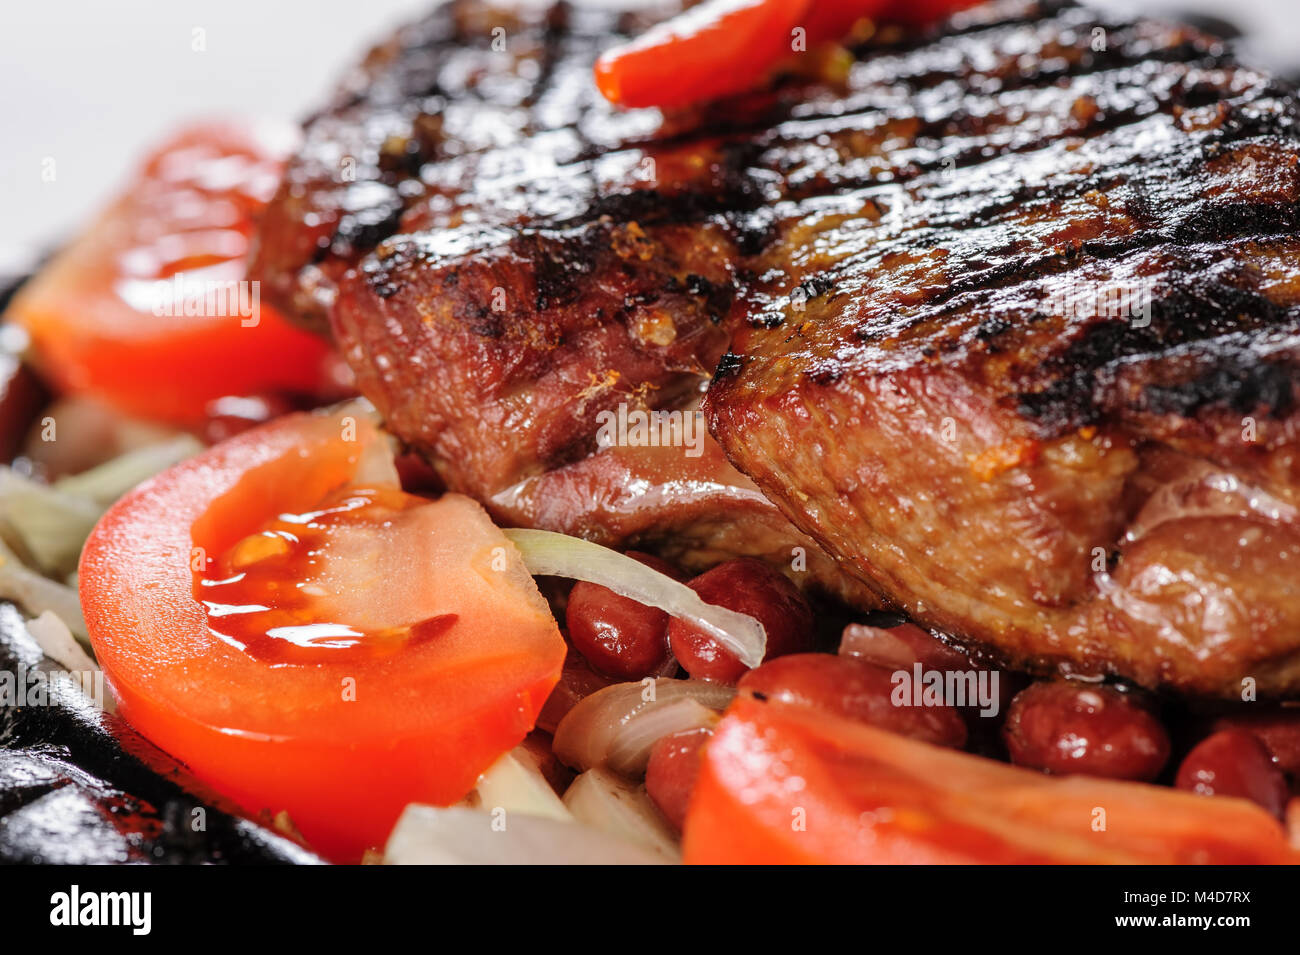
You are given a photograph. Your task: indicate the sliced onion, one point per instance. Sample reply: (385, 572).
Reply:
(36, 593)
(900, 647)
(558, 555)
(89, 434)
(516, 784)
(48, 525)
(428, 835)
(106, 482)
(613, 805)
(577, 682)
(57, 642)
(615, 728)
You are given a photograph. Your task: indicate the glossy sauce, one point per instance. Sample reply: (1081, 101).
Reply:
(265, 595)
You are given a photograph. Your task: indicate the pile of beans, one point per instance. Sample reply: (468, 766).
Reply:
(1054, 726)
(627, 640)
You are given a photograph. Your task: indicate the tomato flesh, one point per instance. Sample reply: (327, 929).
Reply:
(725, 47)
(310, 586)
(453, 650)
(719, 48)
(149, 309)
(782, 784)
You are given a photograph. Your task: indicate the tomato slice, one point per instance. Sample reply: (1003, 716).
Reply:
(724, 47)
(388, 655)
(149, 308)
(781, 784)
(713, 50)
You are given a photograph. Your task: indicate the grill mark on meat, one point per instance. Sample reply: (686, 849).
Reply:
(737, 189)
(554, 35)
(361, 230)
(1199, 304)
(1238, 381)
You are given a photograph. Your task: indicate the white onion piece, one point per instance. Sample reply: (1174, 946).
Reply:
(613, 805)
(428, 835)
(559, 555)
(378, 464)
(89, 433)
(36, 593)
(57, 642)
(105, 483)
(629, 749)
(516, 784)
(616, 727)
(876, 645)
(577, 681)
(48, 525)
(52, 522)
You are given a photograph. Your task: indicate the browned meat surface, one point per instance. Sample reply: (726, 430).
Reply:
(1044, 398)
(491, 260)
(696, 512)
(1004, 316)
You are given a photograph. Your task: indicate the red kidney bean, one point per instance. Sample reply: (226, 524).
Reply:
(854, 689)
(577, 682)
(900, 647)
(1234, 763)
(618, 636)
(747, 586)
(672, 771)
(1278, 731)
(1066, 728)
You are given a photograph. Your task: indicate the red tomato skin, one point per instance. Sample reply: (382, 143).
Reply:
(830, 20)
(90, 339)
(418, 728)
(714, 51)
(726, 47)
(784, 785)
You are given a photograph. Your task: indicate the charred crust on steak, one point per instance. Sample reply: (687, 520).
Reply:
(1011, 293)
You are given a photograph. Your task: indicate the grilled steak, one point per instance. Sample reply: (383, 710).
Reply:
(522, 297)
(1004, 315)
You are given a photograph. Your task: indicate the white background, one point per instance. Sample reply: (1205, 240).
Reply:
(92, 83)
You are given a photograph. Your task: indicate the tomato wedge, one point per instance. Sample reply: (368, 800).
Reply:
(713, 50)
(279, 616)
(149, 309)
(782, 784)
(724, 47)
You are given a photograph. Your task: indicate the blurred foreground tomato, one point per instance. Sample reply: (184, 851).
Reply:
(149, 308)
(783, 784)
